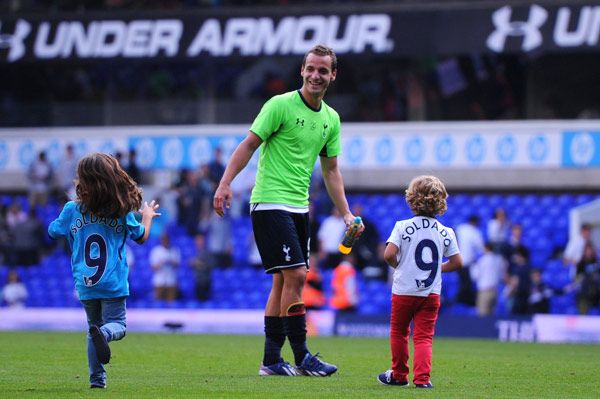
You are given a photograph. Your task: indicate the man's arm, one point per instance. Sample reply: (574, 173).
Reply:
(335, 187)
(239, 160)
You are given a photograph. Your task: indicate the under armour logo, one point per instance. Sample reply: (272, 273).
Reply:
(286, 250)
(530, 29)
(299, 121)
(15, 41)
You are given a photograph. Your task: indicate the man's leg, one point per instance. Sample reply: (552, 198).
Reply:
(283, 247)
(294, 324)
(293, 312)
(274, 335)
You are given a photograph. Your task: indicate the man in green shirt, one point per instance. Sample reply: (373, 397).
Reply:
(292, 129)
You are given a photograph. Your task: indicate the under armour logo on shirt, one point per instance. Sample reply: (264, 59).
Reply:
(299, 121)
(286, 250)
(14, 42)
(530, 29)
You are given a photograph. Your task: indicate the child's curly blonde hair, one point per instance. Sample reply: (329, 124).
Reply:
(426, 196)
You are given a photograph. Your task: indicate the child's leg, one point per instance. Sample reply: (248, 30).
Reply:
(424, 327)
(402, 314)
(113, 314)
(93, 310)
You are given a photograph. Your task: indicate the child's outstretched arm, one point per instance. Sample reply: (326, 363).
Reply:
(148, 213)
(453, 263)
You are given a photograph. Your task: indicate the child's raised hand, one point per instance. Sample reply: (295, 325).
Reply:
(150, 209)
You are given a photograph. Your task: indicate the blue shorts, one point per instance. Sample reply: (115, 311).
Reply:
(282, 239)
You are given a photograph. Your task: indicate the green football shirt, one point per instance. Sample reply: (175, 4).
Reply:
(294, 135)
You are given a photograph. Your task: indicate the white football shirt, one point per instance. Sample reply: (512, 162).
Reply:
(423, 242)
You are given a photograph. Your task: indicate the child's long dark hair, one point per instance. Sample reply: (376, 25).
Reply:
(104, 188)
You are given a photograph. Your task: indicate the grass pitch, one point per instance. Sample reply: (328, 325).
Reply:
(54, 365)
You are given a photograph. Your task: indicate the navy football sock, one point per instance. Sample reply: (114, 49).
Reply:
(295, 330)
(274, 339)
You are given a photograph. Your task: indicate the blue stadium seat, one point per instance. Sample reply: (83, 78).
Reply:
(544, 219)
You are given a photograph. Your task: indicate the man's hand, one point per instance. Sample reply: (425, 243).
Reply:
(349, 220)
(222, 199)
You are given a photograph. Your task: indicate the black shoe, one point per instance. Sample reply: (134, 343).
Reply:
(94, 386)
(428, 385)
(101, 345)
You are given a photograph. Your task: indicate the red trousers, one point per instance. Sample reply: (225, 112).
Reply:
(422, 311)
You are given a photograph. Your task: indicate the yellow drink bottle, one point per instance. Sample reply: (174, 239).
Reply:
(350, 237)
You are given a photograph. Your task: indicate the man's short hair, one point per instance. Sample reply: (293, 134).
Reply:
(322, 50)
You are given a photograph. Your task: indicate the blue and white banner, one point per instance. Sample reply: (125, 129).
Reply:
(168, 152)
(567, 328)
(511, 329)
(462, 146)
(157, 148)
(375, 146)
(17, 153)
(581, 148)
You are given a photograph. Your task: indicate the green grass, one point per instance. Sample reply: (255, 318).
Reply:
(54, 365)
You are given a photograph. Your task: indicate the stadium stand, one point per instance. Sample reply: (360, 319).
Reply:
(544, 218)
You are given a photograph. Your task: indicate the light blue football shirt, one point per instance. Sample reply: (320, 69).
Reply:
(98, 259)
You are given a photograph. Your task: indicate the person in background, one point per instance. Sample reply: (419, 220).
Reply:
(515, 242)
(417, 255)
(14, 293)
(330, 234)
(498, 229)
(15, 216)
(164, 261)
(219, 243)
(344, 287)
(192, 199)
(540, 294)
(368, 251)
(133, 170)
(119, 157)
(96, 226)
(201, 265)
(487, 273)
(587, 279)
(292, 129)
(576, 247)
(27, 240)
(519, 283)
(5, 238)
(313, 295)
(471, 245)
(39, 175)
(65, 174)
(216, 168)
